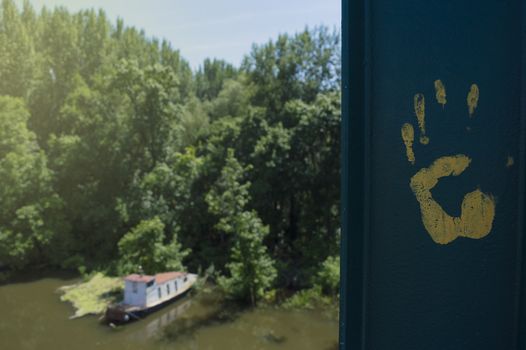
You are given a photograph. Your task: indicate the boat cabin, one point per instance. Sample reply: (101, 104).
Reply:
(147, 290)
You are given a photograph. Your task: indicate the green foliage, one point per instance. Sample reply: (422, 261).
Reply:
(294, 67)
(27, 196)
(309, 299)
(251, 269)
(228, 197)
(152, 94)
(232, 101)
(92, 297)
(328, 276)
(17, 55)
(211, 76)
(114, 153)
(324, 291)
(144, 247)
(194, 122)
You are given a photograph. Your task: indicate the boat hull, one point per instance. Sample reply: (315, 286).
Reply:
(123, 313)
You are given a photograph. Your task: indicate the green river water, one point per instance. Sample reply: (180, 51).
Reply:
(33, 317)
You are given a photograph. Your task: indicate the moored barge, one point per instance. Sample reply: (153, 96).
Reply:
(146, 293)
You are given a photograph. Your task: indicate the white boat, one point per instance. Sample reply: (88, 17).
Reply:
(146, 293)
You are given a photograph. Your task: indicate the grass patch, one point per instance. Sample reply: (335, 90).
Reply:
(91, 297)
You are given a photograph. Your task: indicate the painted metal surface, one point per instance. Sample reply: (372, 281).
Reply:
(433, 175)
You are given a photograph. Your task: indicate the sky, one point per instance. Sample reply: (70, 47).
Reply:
(223, 29)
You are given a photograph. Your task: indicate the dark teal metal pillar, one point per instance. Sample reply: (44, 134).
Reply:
(433, 175)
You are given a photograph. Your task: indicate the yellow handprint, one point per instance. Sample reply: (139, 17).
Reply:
(478, 208)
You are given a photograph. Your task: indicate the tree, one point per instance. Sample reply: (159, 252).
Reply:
(94, 42)
(315, 164)
(232, 101)
(251, 269)
(25, 229)
(328, 276)
(57, 66)
(303, 214)
(17, 56)
(165, 192)
(144, 247)
(293, 67)
(193, 122)
(108, 136)
(152, 96)
(210, 78)
(85, 152)
(228, 197)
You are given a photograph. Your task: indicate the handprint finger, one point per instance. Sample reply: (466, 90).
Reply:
(473, 99)
(440, 91)
(408, 136)
(420, 111)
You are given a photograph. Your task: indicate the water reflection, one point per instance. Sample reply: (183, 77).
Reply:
(40, 321)
(213, 323)
(157, 322)
(209, 310)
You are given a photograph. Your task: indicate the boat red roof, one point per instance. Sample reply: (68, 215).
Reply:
(134, 277)
(159, 278)
(166, 276)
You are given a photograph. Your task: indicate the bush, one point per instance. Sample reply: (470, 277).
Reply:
(143, 247)
(328, 276)
(307, 299)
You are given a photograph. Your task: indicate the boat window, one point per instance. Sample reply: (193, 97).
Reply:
(167, 289)
(159, 292)
(185, 278)
(134, 287)
(149, 284)
(175, 285)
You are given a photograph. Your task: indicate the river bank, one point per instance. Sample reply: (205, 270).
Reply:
(92, 294)
(35, 318)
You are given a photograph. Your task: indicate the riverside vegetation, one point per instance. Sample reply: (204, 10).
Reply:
(115, 154)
